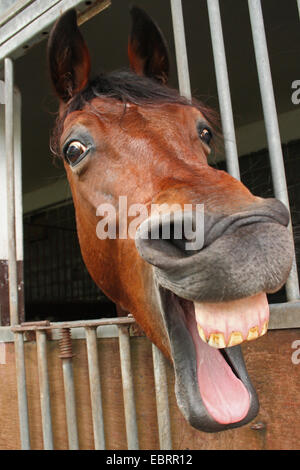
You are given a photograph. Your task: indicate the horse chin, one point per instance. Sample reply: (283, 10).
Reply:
(212, 387)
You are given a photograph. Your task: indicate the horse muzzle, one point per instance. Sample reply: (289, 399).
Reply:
(234, 257)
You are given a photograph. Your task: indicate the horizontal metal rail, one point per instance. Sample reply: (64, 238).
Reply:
(10, 12)
(28, 326)
(32, 24)
(284, 316)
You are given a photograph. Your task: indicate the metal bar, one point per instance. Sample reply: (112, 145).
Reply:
(128, 391)
(35, 20)
(21, 389)
(25, 16)
(180, 48)
(12, 253)
(283, 316)
(41, 343)
(298, 3)
(67, 365)
(93, 11)
(19, 199)
(70, 404)
(162, 400)
(271, 123)
(95, 388)
(223, 88)
(13, 10)
(10, 181)
(75, 324)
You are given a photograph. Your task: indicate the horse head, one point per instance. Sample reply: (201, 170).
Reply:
(129, 144)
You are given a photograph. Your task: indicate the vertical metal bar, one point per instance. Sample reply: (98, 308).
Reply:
(298, 3)
(271, 123)
(128, 391)
(10, 181)
(21, 389)
(19, 200)
(66, 357)
(41, 343)
(95, 388)
(70, 404)
(180, 47)
(12, 253)
(162, 401)
(223, 88)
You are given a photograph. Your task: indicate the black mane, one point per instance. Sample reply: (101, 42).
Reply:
(128, 87)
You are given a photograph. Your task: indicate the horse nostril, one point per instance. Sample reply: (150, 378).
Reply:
(170, 235)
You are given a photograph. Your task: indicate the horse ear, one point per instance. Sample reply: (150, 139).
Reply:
(147, 47)
(68, 57)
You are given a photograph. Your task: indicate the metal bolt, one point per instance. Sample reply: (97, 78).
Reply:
(258, 426)
(65, 344)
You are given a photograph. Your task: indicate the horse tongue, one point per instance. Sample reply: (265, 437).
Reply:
(226, 324)
(224, 395)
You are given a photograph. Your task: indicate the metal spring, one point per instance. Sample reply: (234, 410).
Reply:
(65, 344)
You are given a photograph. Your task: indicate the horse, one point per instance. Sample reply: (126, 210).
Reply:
(126, 136)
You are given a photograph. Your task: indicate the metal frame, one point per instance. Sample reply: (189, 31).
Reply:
(33, 22)
(90, 330)
(13, 10)
(27, 27)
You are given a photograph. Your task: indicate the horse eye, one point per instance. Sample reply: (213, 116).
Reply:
(205, 134)
(75, 152)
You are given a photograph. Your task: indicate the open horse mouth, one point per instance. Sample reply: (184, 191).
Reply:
(212, 385)
(212, 301)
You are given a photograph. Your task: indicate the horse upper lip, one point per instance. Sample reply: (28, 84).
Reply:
(271, 210)
(230, 224)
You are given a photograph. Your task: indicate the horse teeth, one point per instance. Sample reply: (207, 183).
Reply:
(235, 338)
(201, 333)
(217, 340)
(264, 329)
(253, 333)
